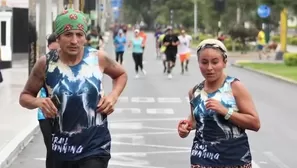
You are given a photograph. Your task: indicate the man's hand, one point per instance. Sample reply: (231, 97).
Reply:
(166, 43)
(47, 106)
(106, 104)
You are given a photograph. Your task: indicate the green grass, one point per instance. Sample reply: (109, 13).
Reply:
(274, 68)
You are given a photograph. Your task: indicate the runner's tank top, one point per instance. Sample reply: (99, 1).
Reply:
(79, 130)
(218, 142)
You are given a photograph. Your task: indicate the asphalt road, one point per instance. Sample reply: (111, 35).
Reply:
(144, 125)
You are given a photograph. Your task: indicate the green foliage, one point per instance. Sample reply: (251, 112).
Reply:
(290, 40)
(237, 46)
(242, 33)
(290, 59)
(275, 38)
(158, 11)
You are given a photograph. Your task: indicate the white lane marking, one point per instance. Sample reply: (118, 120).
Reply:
(126, 99)
(143, 100)
(160, 111)
(127, 126)
(255, 165)
(144, 133)
(148, 110)
(151, 145)
(159, 128)
(149, 153)
(41, 159)
(123, 99)
(276, 160)
(138, 139)
(147, 119)
(169, 100)
(128, 110)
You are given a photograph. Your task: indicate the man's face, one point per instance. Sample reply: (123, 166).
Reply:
(72, 42)
(183, 32)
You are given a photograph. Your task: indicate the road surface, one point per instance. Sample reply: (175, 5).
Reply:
(144, 125)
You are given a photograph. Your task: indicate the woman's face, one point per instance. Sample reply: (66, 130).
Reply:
(54, 46)
(136, 34)
(211, 64)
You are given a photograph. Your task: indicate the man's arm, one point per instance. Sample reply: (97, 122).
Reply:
(165, 41)
(115, 71)
(176, 41)
(34, 84)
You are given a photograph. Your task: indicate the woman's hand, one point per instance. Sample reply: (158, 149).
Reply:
(184, 127)
(215, 105)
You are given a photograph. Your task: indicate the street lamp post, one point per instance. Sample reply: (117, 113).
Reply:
(171, 17)
(32, 56)
(195, 18)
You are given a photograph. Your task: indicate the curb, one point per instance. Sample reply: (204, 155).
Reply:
(12, 149)
(267, 74)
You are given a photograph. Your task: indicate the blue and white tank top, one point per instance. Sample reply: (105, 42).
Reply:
(40, 115)
(218, 142)
(81, 131)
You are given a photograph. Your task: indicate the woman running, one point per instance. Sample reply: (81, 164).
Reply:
(137, 44)
(119, 43)
(45, 124)
(221, 110)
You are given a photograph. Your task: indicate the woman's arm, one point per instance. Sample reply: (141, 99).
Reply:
(247, 116)
(191, 116)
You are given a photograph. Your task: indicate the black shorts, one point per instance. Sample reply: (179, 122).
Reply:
(171, 56)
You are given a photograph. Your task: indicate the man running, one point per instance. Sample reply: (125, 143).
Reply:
(171, 42)
(184, 50)
(75, 99)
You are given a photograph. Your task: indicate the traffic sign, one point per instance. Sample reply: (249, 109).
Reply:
(101, 7)
(264, 11)
(116, 3)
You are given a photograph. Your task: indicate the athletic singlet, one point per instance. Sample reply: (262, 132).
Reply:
(81, 131)
(218, 142)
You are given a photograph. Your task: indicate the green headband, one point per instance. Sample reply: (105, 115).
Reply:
(70, 20)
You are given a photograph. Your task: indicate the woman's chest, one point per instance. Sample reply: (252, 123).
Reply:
(226, 99)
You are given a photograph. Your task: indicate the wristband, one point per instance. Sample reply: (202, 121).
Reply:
(229, 114)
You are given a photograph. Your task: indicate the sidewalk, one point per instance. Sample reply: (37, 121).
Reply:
(17, 125)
